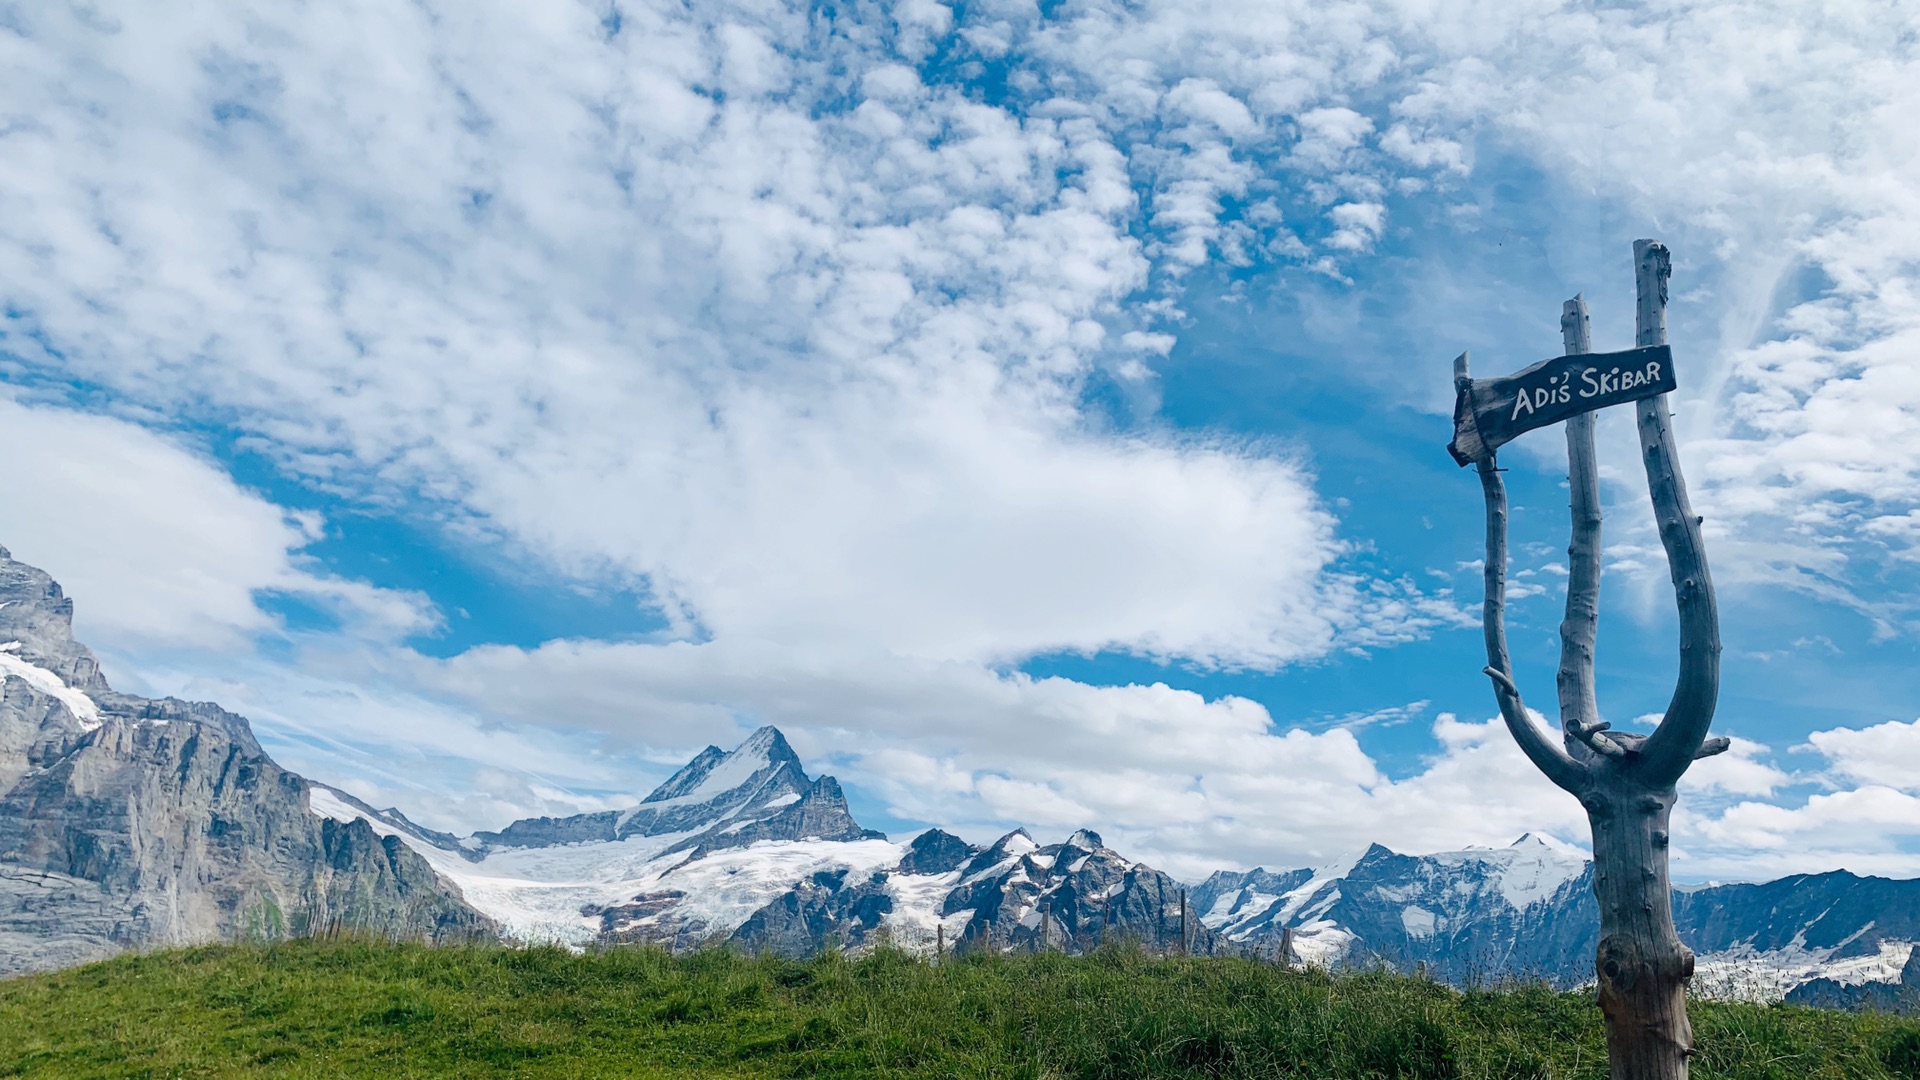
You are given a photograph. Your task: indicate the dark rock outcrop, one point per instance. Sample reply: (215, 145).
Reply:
(936, 852)
(1071, 897)
(825, 911)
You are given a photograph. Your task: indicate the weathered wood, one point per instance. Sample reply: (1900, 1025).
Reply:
(1489, 413)
(1625, 782)
(1579, 709)
(1642, 968)
(1671, 747)
(1545, 755)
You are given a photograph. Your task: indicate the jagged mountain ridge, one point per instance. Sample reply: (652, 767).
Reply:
(743, 846)
(1528, 911)
(127, 822)
(1468, 916)
(757, 791)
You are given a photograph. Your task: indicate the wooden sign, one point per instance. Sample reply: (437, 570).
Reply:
(1489, 413)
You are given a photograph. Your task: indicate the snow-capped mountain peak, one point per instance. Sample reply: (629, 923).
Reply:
(1085, 840)
(720, 799)
(714, 772)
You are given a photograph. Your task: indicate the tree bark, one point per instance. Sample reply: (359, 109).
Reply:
(1677, 741)
(1578, 705)
(1549, 758)
(1642, 967)
(1625, 781)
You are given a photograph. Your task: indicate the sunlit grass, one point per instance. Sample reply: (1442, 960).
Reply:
(356, 1008)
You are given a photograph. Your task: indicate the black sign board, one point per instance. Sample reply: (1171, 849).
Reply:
(1489, 413)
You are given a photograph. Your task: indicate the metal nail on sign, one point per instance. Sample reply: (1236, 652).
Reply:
(1489, 413)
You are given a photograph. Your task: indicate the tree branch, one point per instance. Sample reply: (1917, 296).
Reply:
(1546, 756)
(1673, 745)
(1579, 711)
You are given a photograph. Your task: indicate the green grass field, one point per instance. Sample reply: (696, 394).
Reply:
(355, 1008)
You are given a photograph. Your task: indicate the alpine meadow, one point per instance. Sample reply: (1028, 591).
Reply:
(960, 538)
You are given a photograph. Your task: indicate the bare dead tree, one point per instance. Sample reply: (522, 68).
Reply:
(1625, 781)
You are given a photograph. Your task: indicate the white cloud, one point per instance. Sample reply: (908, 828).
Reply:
(1188, 783)
(1866, 820)
(1738, 771)
(158, 545)
(651, 304)
(1203, 100)
(1886, 754)
(1357, 225)
(442, 765)
(1868, 830)
(1776, 159)
(807, 372)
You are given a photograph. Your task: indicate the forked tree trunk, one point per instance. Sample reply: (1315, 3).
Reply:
(1625, 782)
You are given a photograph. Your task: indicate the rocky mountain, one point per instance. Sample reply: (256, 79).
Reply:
(743, 846)
(718, 800)
(1465, 915)
(1527, 911)
(723, 852)
(1899, 996)
(127, 822)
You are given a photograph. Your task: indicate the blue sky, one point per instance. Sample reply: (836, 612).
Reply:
(1038, 411)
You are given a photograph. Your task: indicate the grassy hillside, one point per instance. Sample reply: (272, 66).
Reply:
(350, 1008)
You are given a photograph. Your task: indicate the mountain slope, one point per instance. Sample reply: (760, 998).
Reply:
(127, 822)
(742, 845)
(720, 799)
(1528, 911)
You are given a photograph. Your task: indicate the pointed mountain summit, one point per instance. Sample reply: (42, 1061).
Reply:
(720, 799)
(713, 771)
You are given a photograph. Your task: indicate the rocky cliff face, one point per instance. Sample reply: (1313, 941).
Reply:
(127, 822)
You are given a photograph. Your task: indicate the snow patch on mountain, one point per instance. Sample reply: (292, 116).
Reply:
(1744, 973)
(731, 772)
(1419, 921)
(559, 893)
(77, 702)
(1528, 872)
(916, 922)
(1321, 943)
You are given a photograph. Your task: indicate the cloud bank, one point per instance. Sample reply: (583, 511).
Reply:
(811, 325)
